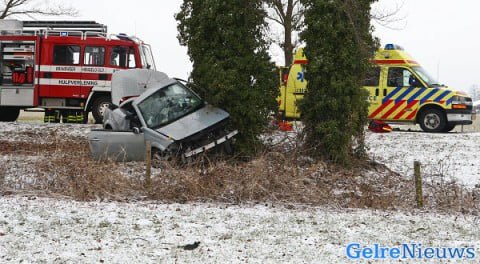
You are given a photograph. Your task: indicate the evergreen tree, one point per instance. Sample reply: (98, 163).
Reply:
(339, 45)
(231, 65)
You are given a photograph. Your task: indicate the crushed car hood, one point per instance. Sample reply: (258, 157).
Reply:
(194, 122)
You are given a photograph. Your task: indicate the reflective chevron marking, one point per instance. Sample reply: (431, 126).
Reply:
(412, 115)
(395, 107)
(428, 96)
(404, 101)
(443, 95)
(380, 109)
(404, 111)
(416, 95)
(392, 94)
(403, 95)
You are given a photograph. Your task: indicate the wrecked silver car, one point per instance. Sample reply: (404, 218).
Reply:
(150, 106)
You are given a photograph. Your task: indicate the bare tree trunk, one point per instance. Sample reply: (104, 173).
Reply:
(288, 15)
(288, 26)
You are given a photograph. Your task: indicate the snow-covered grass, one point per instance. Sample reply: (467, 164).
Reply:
(443, 156)
(53, 230)
(58, 231)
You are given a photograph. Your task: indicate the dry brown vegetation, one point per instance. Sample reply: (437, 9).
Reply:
(64, 167)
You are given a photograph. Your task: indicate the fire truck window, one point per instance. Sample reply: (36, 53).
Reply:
(398, 77)
(118, 56)
(66, 55)
(373, 77)
(123, 57)
(94, 56)
(131, 59)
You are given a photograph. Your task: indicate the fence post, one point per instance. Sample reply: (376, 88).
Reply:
(418, 185)
(148, 164)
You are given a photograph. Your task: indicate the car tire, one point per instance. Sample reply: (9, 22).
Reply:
(161, 159)
(433, 120)
(449, 127)
(98, 108)
(227, 148)
(9, 114)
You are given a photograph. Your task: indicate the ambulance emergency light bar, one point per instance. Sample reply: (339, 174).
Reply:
(393, 47)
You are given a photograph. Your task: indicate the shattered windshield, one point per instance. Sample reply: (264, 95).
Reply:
(425, 76)
(169, 104)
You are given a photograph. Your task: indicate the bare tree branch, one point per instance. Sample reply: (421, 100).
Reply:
(31, 8)
(389, 17)
(289, 15)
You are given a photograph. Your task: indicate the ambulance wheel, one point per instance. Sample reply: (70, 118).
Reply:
(433, 120)
(9, 114)
(98, 108)
(449, 127)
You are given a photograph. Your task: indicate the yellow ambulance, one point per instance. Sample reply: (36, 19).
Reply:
(400, 91)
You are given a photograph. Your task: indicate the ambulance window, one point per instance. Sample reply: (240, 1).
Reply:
(94, 56)
(123, 57)
(373, 77)
(66, 55)
(398, 77)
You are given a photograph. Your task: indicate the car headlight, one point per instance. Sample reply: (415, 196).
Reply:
(461, 102)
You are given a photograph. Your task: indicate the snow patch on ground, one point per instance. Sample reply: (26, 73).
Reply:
(58, 231)
(443, 156)
(37, 131)
(47, 230)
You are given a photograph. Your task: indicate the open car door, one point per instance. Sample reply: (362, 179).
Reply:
(117, 145)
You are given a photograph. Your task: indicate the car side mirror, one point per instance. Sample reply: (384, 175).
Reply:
(137, 131)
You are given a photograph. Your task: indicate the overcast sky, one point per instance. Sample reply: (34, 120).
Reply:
(441, 35)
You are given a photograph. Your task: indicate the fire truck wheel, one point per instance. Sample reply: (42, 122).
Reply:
(433, 120)
(98, 108)
(9, 114)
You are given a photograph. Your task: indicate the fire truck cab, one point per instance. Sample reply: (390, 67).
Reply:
(63, 67)
(400, 91)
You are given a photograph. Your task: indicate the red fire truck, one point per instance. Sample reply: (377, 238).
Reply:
(63, 67)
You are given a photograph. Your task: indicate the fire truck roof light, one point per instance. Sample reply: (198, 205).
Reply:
(123, 36)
